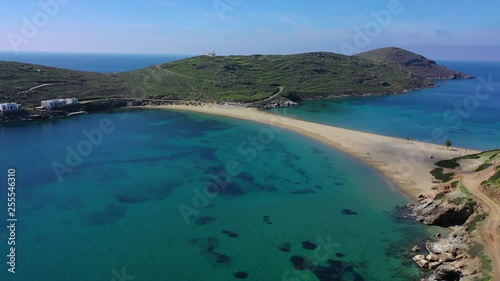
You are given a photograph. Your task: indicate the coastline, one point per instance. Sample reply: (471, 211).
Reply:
(406, 164)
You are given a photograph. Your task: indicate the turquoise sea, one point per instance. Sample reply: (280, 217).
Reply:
(145, 195)
(469, 117)
(120, 207)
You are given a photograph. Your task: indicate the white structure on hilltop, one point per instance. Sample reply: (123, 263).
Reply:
(50, 104)
(212, 55)
(10, 106)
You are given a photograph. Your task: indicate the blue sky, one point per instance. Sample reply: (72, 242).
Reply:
(466, 30)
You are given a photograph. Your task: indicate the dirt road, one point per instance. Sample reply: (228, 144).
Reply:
(490, 229)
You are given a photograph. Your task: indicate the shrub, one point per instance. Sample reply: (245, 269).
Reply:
(438, 174)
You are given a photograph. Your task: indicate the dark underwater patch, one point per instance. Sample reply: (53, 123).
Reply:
(207, 125)
(333, 271)
(285, 247)
(308, 245)
(205, 153)
(70, 203)
(266, 219)
(271, 177)
(245, 177)
(301, 263)
(268, 188)
(241, 275)
(130, 199)
(214, 170)
(303, 191)
(207, 246)
(204, 220)
(217, 259)
(292, 157)
(43, 176)
(301, 171)
(110, 214)
(348, 212)
(135, 194)
(230, 234)
(316, 150)
(231, 190)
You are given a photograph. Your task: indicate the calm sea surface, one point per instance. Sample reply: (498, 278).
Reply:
(107, 63)
(467, 112)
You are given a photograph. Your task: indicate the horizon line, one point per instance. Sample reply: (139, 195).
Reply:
(194, 55)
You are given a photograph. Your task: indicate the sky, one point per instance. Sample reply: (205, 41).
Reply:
(441, 30)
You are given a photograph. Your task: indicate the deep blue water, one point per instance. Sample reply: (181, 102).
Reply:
(454, 110)
(106, 63)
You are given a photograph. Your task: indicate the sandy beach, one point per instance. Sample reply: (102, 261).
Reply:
(406, 164)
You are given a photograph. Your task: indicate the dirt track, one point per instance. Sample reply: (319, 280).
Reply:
(490, 229)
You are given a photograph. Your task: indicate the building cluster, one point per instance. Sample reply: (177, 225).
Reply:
(47, 104)
(51, 104)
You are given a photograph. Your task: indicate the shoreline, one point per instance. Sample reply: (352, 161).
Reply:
(406, 164)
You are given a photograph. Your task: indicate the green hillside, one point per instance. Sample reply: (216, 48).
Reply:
(203, 78)
(411, 62)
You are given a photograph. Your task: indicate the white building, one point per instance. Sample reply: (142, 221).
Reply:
(50, 104)
(10, 106)
(212, 54)
(72, 101)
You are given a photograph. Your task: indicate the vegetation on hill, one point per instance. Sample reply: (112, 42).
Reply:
(18, 78)
(203, 78)
(304, 76)
(493, 158)
(411, 62)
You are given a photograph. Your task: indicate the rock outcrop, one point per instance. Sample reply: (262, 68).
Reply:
(442, 213)
(447, 273)
(275, 103)
(447, 257)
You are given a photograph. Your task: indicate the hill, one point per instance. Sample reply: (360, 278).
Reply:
(29, 83)
(226, 78)
(411, 62)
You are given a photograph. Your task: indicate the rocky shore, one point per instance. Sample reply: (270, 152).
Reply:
(449, 256)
